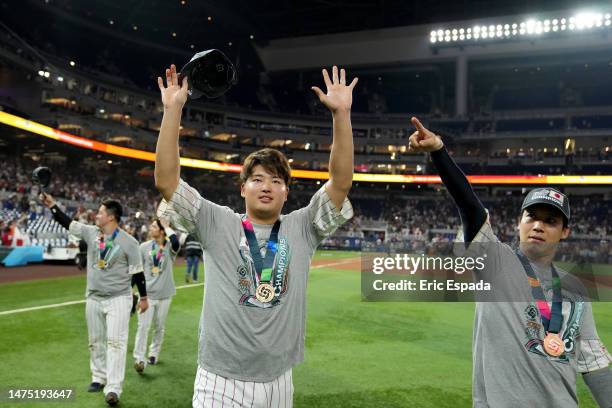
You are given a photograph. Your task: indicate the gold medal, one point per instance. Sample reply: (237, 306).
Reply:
(101, 264)
(264, 292)
(155, 270)
(553, 345)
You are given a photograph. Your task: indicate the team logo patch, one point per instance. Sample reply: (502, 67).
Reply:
(531, 312)
(556, 196)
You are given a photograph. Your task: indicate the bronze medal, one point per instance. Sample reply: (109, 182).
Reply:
(553, 345)
(264, 292)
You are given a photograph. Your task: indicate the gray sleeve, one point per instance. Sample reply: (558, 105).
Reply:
(142, 252)
(593, 354)
(83, 231)
(600, 385)
(324, 217)
(484, 235)
(188, 211)
(132, 250)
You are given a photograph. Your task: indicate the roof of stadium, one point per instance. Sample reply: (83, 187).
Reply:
(125, 32)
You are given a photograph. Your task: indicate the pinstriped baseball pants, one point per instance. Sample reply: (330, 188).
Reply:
(156, 314)
(108, 330)
(211, 390)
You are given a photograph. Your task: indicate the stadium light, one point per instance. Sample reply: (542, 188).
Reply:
(583, 21)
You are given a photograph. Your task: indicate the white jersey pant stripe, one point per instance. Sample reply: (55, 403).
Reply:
(155, 314)
(211, 390)
(108, 330)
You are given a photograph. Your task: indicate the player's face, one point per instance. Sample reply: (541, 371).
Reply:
(103, 217)
(264, 193)
(541, 229)
(154, 230)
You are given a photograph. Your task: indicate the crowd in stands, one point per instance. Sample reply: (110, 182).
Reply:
(397, 218)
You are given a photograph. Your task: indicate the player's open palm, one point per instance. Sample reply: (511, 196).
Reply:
(339, 96)
(174, 94)
(423, 140)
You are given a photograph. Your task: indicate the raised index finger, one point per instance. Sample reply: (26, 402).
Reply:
(417, 123)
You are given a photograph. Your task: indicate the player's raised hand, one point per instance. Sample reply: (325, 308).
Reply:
(47, 200)
(339, 96)
(423, 140)
(174, 94)
(164, 222)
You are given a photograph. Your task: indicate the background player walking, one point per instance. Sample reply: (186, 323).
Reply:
(112, 259)
(158, 256)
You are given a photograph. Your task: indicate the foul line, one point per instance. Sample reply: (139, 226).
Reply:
(193, 285)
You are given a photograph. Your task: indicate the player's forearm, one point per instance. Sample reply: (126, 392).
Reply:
(342, 152)
(167, 159)
(138, 279)
(60, 217)
(174, 241)
(600, 384)
(473, 213)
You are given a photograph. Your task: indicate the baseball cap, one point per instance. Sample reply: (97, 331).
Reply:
(548, 196)
(210, 72)
(42, 176)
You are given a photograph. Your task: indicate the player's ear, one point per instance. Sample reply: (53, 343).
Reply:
(242, 194)
(565, 233)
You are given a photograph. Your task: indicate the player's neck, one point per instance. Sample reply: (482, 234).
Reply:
(109, 228)
(160, 240)
(540, 260)
(262, 219)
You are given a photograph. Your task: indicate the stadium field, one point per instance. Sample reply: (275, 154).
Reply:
(358, 354)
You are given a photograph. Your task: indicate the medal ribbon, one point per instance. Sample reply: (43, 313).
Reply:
(156, 253)
(551, 319)
(263, 267)
(104, 246)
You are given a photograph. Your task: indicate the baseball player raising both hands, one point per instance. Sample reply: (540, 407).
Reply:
(525, 353)
(253, 319)
(112, 259)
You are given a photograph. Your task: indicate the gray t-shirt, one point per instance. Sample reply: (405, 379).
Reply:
(122, 261)
(241, 337)
(160, 285)
(510, 366)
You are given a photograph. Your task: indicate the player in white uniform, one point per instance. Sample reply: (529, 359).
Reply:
(158, 255)
(112, 259)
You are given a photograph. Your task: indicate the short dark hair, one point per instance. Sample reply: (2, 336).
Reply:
(159, 224)
(113, 207)
(272, 160)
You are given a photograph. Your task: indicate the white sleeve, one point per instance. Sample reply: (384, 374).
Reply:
(189, 212)
(593, 354)
(324, 217)
(182, 209)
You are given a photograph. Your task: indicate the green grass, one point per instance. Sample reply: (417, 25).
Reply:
(358, 354)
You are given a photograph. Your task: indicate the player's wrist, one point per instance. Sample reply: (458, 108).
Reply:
(439, 145)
